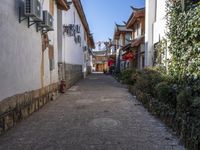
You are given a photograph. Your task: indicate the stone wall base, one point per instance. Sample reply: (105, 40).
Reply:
(70, 73)
(89, 69)
(15, 108)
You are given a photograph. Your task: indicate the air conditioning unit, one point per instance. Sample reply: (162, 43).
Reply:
(33, 9)
(47, 22)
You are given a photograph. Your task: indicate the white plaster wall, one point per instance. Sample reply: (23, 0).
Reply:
(21, 53)
(53, 36)
(155, 27)
(149, 20)
(85, 56)
(159, 26)
(90, 61)
(73, 52)
(60, 36)
(161, 11)
(51, 76)
(159, 30)
(84, 67)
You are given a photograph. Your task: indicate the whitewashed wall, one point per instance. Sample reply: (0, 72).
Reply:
(60, 36)
(155, 27)
(51, 76)
(159, 25)
(21, 53)
(72, 52)
(90, 62)
(149, 20)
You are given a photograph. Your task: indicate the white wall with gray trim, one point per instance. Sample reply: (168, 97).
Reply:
(21, 53)
(155, 27)
(72, 52)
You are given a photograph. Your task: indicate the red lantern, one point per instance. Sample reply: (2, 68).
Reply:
(110, 62)
(128, 56)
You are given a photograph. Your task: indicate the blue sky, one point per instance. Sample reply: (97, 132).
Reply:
(102, 15)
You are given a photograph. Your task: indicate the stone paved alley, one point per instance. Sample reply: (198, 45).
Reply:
(98, 113)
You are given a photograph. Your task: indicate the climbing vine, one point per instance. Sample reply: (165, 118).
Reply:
(159, 53)
(183, 22)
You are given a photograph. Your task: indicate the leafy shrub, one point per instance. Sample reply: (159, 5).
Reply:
(195, 107)
(117, 75)
(126, 76)
(184, 99)
(143, 84)
(165, 93)
(196, 102)
(147, 79)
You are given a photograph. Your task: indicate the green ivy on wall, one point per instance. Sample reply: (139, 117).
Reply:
(184, 42)
(160, 53)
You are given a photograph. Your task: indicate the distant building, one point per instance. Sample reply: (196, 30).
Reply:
(122, 36)
(129, 41)
(101, 61)
(135, 50)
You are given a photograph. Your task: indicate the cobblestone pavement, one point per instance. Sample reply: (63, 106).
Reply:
(96, 114)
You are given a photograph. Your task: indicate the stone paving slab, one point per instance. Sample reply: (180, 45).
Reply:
(96, 114)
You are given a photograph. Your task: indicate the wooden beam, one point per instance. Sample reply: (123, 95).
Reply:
(62, 5)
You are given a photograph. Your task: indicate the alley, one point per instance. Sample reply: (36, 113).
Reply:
(98, 113)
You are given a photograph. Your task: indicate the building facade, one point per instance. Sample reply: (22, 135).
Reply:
(33, 43)
(75, 44)
(136, 47)
(28, 56)
(155, 30)
(122, 37)
(101, 61)
(129, 41)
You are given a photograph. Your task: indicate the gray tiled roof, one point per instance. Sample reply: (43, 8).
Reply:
(123, 28)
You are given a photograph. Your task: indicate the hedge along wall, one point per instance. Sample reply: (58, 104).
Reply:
(184, 38)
